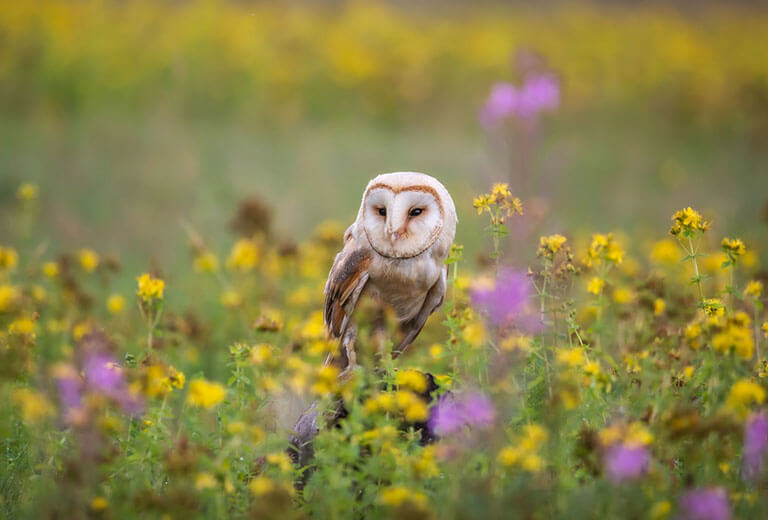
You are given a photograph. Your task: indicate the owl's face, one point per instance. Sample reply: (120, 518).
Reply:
(401, 221)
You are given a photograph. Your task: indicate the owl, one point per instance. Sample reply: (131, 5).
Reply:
(394, 252)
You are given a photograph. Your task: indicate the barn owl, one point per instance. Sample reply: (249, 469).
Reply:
(394, 252)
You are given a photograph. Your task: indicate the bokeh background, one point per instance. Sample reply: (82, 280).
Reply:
(133, 116)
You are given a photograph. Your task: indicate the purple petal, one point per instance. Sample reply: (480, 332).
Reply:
(755, 445)
(507, 301)
(501, 103)
(704, 504)
(624, 463)
(452, 413)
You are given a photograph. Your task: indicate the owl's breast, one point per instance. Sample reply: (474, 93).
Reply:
(403, 283)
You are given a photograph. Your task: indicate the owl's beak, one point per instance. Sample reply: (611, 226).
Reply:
(394, 236)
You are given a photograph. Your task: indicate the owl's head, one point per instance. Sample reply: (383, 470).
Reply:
(404, 213)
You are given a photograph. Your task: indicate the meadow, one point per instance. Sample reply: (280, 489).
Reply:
(175, 180)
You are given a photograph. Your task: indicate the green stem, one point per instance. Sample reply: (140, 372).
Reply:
(697, 276)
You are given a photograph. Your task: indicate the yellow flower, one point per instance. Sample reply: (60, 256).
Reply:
(99, 504)
(206, 262)
(396, 496)
(474, 334)
(326, 379)
(665, 252)
(51, 269)
(81, 329)
(9, 294)
(482, 203)
(281, 460)
(314, 328)
(205, 394)
(27, 192)
(256, 434)
(743, 393)
(231, 299)
(592, 368)
(39, 293)
(244, 255)
(414, 409)
(638, 435)
(411, 380)
(633, 434)
(260, 486)
(765, 329)
(425, 463)
(733, 247)
(500, 191)
(205, 480)
(34, 405)
(713, 307)
(157, 382)
(261, 353)
(573, 357)
(550, 245)
(9, 258)
(610, 435)
(236, 427)
(604, 248)
(660, 510)
(22, 327)
(659, 306)
(532, 463)
(89, 260)
(502, 199)
(516, 343)
(176, 377)
(533, 437)
(736, 336)
(623, 295)
(525, 453)
(509, 456)
(754, 289)
(115, 303)
(436, 351)
(689, 221)
(595, 285)
(150, 288)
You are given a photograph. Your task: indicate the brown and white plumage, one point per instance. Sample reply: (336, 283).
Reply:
(395, 252)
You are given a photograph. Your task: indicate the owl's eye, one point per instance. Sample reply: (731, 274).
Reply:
(415, 212)
(383, 212)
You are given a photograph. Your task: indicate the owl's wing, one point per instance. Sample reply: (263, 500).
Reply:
(432, 302)
(346, 282)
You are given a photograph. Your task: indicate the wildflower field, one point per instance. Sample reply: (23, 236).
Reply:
(169, 212)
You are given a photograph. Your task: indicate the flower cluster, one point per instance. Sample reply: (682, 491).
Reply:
(150, 288)
(688, 222)
(524, 451)
(500, 203)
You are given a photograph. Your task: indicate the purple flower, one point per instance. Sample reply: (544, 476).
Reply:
(538, 93)
(501, 103)
(104, 375)
(755, 445)
(507, 301)
(624, 463)
(69, 391)
(704, 504)
(452, 413)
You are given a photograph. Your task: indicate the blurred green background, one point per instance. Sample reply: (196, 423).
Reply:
(135, 115)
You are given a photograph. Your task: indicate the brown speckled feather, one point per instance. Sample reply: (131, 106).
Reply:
(346, 282)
